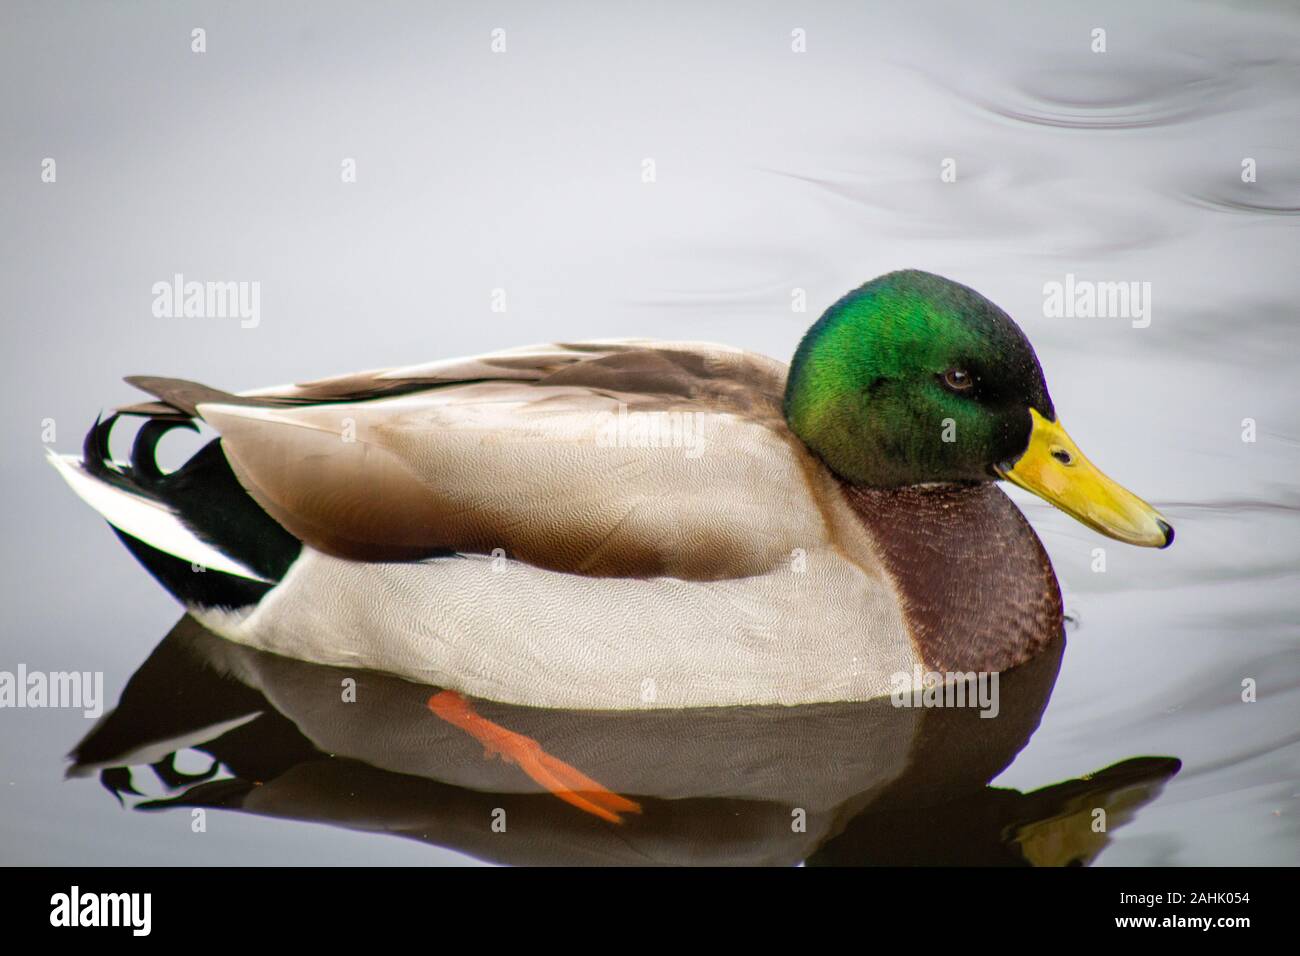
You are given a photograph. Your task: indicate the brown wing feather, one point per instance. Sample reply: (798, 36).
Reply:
(500, 451)
(742, 381)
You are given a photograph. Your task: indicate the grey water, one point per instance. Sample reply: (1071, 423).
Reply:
(680, 173)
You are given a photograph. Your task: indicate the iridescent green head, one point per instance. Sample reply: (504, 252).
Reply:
(914, 378)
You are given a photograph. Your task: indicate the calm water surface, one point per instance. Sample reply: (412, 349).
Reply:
(775, 172)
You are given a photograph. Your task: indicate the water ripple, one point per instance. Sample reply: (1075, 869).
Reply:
(1154, 95)
(1244, 199)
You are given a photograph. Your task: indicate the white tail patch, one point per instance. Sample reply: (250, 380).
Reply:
(153, 523)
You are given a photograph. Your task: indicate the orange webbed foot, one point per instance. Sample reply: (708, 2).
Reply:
(559, 778)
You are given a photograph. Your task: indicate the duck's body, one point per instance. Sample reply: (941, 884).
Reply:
(609, 525)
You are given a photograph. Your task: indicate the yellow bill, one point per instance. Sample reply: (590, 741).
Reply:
(1053, 468)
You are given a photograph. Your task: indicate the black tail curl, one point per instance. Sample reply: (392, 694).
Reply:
(143, 473)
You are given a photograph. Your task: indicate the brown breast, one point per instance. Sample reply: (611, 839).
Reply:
(977, 588)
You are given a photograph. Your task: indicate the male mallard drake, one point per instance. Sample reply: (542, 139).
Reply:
(633, 524)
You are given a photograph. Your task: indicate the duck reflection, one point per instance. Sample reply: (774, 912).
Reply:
(830, 784)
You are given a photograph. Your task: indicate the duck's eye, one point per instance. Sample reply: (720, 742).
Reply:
(958, 379)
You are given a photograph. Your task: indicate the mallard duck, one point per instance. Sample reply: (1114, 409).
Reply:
(632, 524)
